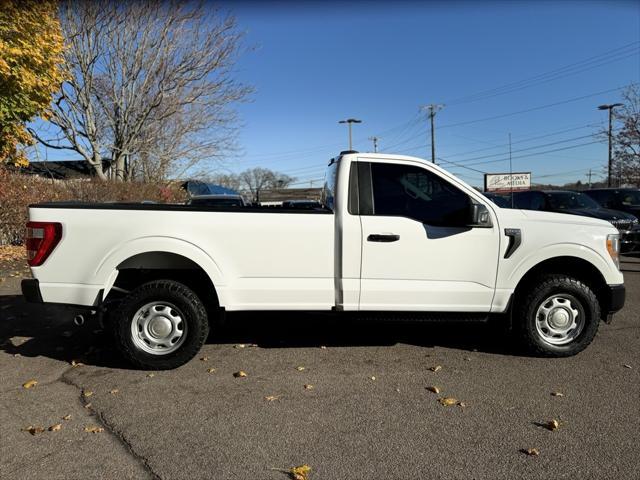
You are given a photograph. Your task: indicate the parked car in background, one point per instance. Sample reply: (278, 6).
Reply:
(576, 203)
(500, 199)
(623, 199)
(223, 200)
(305, 204)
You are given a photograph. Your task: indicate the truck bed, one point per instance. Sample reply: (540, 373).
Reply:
(177, 207)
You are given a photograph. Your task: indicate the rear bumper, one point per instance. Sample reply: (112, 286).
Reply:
(31, 290)
(64, 293)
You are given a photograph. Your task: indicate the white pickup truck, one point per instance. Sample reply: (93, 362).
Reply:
(394, 234)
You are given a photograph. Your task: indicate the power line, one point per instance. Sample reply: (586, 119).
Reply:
(510, 114)
(535, 154)
(590, 63)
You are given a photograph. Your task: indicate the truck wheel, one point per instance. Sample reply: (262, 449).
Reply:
(559, 317)
(160, 325)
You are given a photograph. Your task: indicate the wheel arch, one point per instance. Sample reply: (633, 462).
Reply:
(160, 257)
(569, 265)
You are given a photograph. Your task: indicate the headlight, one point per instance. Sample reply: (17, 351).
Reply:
(613, 247)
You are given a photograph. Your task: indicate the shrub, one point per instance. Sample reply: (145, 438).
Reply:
(18, 191)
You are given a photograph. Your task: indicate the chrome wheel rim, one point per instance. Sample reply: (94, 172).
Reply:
(158, 328)
(559, 319)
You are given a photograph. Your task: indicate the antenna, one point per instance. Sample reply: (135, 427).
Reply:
(510, 170)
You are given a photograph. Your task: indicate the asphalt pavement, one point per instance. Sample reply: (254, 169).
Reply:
(350, 398)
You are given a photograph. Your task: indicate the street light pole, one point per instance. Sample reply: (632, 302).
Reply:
(610, 108)
(349, 121)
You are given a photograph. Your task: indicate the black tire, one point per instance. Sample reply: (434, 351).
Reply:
(580, 297)
(191, 311)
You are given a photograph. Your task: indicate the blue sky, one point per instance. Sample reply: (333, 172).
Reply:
(316, 63)
(312, 64)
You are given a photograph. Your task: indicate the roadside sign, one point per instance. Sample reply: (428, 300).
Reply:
(506, 182)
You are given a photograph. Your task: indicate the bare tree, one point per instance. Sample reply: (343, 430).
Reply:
(149, 86)
(258, 179)
(230, 180)
(626, 140)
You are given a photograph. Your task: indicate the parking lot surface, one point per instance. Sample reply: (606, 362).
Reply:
(350, 398)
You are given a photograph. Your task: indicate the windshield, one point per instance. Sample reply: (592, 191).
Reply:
(570, 200)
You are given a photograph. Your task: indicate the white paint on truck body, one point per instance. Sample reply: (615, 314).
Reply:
(322, 261)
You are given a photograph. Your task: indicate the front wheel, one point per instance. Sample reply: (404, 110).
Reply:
(559, 317)
(160, 325)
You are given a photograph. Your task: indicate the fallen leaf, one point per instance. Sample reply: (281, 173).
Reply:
(55, 428)
(437, 368)
(204, 359)
(271, 398)
(532, 452)
(86, 393)
(240, 374)
(30, 384)
(434, 389)
(67, 417)
(211, 370)
(300, 369)
(308, 387)
(93, 429)
(114, 391)
(33, 430)
(300, 473)
(552, 425)
(557, 394)
(627, 366)
(448, 401)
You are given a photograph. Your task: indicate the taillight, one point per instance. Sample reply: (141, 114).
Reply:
(42, 238)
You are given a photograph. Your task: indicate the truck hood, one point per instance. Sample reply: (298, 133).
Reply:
(555, 218)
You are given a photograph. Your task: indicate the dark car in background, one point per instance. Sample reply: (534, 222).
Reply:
(500, 199)
(223, 200)
(302, 204)
(576, 203)
(623, 199)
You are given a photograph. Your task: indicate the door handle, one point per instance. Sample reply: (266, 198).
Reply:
(379, 237)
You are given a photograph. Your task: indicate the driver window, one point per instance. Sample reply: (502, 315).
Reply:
(410, 191)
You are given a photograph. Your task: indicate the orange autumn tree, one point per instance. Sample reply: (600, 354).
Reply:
(31, 45)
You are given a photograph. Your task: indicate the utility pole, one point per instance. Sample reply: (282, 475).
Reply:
(349, 121)
(610, 108)
(433, 109)
(589, 176)
(375, 143)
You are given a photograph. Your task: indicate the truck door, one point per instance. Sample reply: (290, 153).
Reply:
(417, 251)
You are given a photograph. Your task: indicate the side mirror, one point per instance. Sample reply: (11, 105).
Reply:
(480, 217)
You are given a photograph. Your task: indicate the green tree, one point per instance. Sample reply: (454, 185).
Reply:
(31, 46)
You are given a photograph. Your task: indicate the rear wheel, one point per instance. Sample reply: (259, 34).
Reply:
(160, 325)
(558, 317)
